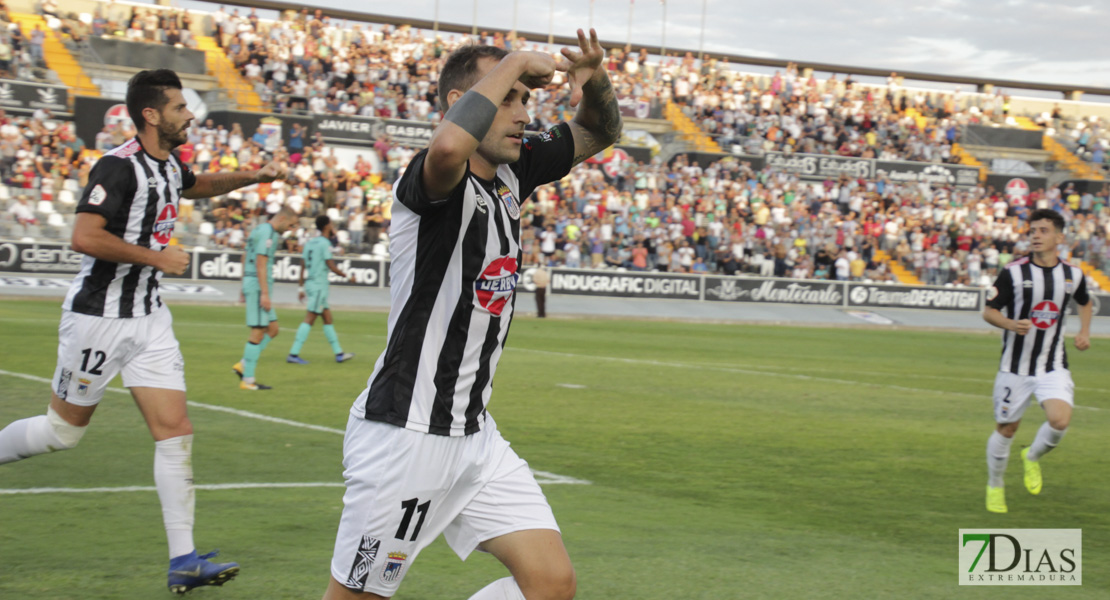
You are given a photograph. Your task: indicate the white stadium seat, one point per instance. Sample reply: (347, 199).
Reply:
(67, 197)
(45, 207)
(207, 228)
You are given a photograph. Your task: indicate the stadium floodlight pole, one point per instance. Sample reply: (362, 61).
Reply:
(663, 39)
(631, 6)
(701, 38)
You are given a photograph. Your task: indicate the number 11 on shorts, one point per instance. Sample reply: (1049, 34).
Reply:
(410, 506)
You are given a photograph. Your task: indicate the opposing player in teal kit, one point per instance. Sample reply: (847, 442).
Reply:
(314, 287)
(262, 244)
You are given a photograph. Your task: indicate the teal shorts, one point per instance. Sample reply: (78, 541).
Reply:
(256, 317)
(317, 297)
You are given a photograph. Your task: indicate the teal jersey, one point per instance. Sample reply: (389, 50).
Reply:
(317, 253)
(263, 241)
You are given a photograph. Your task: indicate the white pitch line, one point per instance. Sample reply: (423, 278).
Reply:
(543, 477)
(720, 369)
(150, 488)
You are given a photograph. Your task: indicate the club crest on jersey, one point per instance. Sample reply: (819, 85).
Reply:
(394, 565)
(495, 286)
(511, 205)
(83, 386)
(1045, 314)
(163, 229)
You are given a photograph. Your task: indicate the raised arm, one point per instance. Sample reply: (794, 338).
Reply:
(597, 124)
(471, 114)
(209, 185)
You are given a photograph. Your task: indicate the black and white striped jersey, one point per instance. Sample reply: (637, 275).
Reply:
(454, 270)
(1025, 290)
(138, 195)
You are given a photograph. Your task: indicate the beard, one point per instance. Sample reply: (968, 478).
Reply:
(172, 136)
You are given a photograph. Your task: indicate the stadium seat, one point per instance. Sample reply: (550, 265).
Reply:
(333, 214)
(5, 192)
(344, 237)
(67, 198)
(45, 207)
(71, 185)
(206, 228)
(56, 220)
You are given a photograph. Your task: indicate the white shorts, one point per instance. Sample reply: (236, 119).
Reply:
(92, 350)
(1012, 392)
(405, 487)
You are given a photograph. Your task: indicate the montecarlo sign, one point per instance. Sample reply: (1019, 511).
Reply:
(821, 166)
(624, 285)
(932, 173)
(365, 130)
(906, 297)
(286, 268)
(780, 291)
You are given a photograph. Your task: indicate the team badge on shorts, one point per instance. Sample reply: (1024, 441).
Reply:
(83, 386)
(364, 559)
(511, 205)
(394, 565)
(63, 383)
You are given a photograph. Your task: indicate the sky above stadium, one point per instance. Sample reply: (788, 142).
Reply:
(1028, 40)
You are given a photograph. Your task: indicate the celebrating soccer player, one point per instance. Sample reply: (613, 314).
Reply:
(1029, 300)
(422, 455)
(114, 321)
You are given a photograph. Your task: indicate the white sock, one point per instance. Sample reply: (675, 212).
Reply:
(1046, 440)
(28, 437)
(173, 476)
(502, 589)
(998, 455)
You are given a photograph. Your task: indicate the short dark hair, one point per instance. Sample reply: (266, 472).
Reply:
(1047, 214)
(322, 221)
(461, 69)
(147, 89)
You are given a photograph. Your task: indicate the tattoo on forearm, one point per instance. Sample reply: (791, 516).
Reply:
(599, 115)
(218, 184)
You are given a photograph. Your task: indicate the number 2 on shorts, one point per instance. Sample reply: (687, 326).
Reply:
(411, 507)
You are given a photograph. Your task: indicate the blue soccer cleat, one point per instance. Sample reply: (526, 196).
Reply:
(191, 571)
(344, 357)
(293, 358)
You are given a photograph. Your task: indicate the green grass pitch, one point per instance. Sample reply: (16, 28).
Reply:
(725, 461)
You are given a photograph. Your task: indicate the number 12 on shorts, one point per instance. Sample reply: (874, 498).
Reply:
(411, 506)
(100, 358)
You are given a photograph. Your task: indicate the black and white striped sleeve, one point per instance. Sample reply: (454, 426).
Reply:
(111, 185)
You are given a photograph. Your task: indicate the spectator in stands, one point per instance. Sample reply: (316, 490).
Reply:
(22, 212)
(38, 38)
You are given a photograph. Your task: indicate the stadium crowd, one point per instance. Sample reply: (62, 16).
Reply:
(676, 217)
